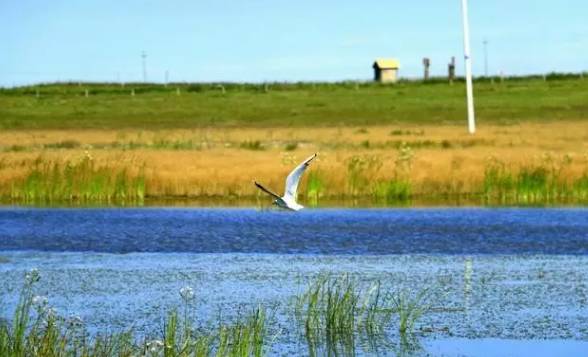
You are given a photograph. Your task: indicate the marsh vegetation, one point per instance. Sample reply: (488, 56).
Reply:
(430, 164)
(334, 312)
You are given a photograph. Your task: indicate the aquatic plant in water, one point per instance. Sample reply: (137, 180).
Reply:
(37, 329)
(335, 311)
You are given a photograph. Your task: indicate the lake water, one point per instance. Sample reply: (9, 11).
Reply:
(328, 231)
(506, 279)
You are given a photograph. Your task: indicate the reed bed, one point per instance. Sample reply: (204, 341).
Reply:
(79, 181)
(371, 178)
(401, 165)
(334, 312)
(534, 184)
(37, 330)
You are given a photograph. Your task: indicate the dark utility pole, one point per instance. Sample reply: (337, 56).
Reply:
(451, 70)
(426, 64)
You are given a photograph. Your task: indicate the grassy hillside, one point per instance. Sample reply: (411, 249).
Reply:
(149, 106)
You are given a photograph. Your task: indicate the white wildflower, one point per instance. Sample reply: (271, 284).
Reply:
(40, 303)
(154, 346)
(33, 276)
(51, 313)
(187, 293)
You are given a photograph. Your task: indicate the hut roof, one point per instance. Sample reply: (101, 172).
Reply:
(387, 63)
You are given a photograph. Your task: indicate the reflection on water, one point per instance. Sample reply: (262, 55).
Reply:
(467, 283)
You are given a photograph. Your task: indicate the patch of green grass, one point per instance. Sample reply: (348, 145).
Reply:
(291, 146)
(393, 191)
(315, 187)
(174, 145)
(252, 145)
(77, 181)
(15, 148)
(532, 184)
(398, 132)
(360, 173)
(66, 144)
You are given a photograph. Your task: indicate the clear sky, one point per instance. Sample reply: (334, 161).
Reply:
(275, 40)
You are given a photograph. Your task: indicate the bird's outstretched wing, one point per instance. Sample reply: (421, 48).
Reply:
(266, 190)
(294, 178)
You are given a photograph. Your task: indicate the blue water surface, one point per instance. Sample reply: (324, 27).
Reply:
(318, 231)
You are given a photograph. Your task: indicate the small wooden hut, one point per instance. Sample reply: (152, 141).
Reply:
(386, 70)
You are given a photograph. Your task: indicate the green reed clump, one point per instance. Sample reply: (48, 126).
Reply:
(498, 181)
(255, 145)
(409, 309)
(328, 312)
(81, 181)
(65, 144)
(244, 338)
(334, 312)
(533, 184)
(291, 146)
(163, 144)
(315, 187)
(37, 330)
(580, 188)
(360, 173)
(398, 189)
(393, 191)
(15, 148)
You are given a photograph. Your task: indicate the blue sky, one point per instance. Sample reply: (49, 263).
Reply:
(276, 40)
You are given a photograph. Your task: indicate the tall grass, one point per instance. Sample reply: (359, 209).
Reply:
(334, 312)
(315, 187)
(361, 171)
(36, 330)
(533, 184)
(367, 178)
(409, 308)
(78, 181)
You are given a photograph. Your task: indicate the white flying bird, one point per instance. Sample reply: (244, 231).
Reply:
(289, 199)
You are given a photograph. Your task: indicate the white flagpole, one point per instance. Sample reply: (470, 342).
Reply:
(468, 68)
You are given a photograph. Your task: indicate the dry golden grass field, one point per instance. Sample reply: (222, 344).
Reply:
(382, 163)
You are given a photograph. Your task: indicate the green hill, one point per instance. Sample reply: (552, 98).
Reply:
(184, 105)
